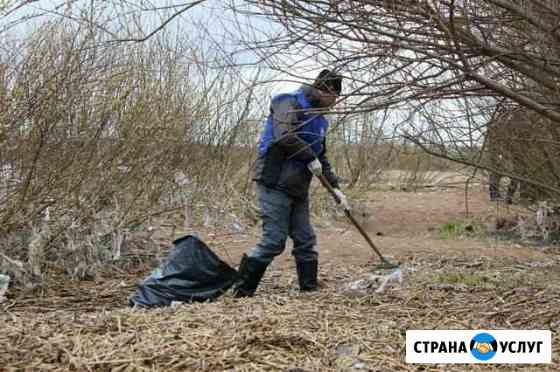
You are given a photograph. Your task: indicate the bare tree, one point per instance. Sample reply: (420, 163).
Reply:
(441, 66)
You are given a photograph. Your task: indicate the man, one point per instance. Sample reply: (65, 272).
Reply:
(500, 154)
(516, 146)
(291, 150)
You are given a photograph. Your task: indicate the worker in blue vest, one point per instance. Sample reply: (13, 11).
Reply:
(291, 150)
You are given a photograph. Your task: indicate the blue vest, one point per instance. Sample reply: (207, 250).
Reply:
(312, 131)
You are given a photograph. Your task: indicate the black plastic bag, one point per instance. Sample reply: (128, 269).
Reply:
(192, 272)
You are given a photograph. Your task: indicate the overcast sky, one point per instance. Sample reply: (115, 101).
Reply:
(209, 19)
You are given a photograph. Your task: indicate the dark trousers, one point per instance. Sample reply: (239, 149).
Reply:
(494, 187)
(284, 216)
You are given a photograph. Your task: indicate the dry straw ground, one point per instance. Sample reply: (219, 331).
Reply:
(455, 282)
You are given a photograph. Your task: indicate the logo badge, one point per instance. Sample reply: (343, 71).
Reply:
(462, 346)
(483, 346)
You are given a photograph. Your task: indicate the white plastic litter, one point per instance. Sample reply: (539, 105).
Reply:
(376, 283)
(394, 277)
(372, 281)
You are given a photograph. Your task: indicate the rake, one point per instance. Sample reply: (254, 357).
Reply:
(385, 264)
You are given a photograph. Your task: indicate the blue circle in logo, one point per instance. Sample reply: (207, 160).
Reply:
(483, 346)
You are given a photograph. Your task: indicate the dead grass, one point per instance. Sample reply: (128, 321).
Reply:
(282, 329)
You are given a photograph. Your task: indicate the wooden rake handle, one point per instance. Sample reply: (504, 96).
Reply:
(329, 187)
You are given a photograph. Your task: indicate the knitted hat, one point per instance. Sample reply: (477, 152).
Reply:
(328, 81)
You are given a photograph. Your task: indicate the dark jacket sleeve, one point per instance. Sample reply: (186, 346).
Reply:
(327, 168)
(286, 123)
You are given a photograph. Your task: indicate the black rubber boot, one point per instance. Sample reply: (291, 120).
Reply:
(250, 272)
(307, 275)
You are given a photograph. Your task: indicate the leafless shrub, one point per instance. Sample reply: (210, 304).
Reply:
(96, 138)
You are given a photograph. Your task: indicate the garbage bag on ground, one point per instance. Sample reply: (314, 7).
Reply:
(191, 273)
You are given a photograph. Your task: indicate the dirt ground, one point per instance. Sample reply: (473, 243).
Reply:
(472, 281)
(403, 225)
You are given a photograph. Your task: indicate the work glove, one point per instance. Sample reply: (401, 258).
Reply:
(315, 167)
(343, 201)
